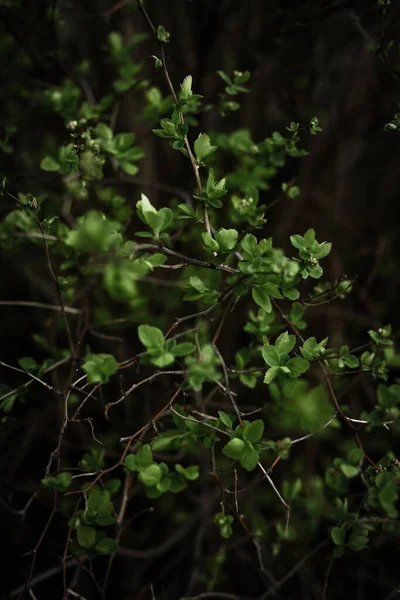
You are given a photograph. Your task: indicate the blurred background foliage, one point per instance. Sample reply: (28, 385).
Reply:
(335, 59)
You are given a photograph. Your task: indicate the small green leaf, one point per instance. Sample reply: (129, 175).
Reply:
(49, 164)
(183, 349)
(227, 238)
(186, 88)
(157, 61)
(261, 298)
(271, 374)
(144, 456)
(28, 364)
(86, 536)
(151, 337)
(191, 473)
(254, 431)
(234, 449)
(297, 366)
(349, 471)
(163, 360)
(271, 355)
(60, 482)
(249, 458)
(338, 536)
(99, 367)
(162, 34)
(202, 147)
(285, 343)
(150, 475)
(107, 546)
(225, 419)
(130, 462)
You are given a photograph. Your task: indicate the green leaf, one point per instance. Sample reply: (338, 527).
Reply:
(249, 245)
(186, 88)
(113, 485)
(107, 546)
(166, 440)
(191, 473)
(271, 355)
(28, 364)
(261, 298)
(271, 374)
(183, 349)
(93, 232)
(338, 536)
(123, 141)
(49, 164)
(225, 419)
(234, 449)
(146, 212)
(227, 238)
(157, 61)
(298, 242)
(349, 471)
(357, 542)
(150, 475)
(130, 462)
(202, 147)
(210, 242)
(99, 367)
(144, 456)
(163, 360)
(254, 431)
(285, 343)
(352, 361)
(60, 482)
(162, 34)
(86, 536)
(151, 337)
(249, 458)
(297, 366)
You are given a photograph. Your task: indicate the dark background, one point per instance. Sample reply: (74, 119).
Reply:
(306, 59)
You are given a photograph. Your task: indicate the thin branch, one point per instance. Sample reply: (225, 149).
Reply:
(24, 372)
(175, 98)
(293, 571)
(136, 385)
(68, 309)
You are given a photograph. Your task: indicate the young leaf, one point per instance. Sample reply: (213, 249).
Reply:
(271, 374)
(107, 546)
(86, 536)
(261, 298)
(235, 448)
(249, 458)
(144, 456)
(225, 419)
(49, 164)
(203, 148)
(186, 88)
(227, 238)
(285, 343)
(150, 475)
(254, 431)
(151, 337)
(297, 366)
(270, 355)
(338, 535)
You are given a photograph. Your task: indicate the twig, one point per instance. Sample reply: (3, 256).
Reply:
(24, 372)
(293, 571)
(149, 379)
(175, 98)
(68, 309)
(187, 259)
